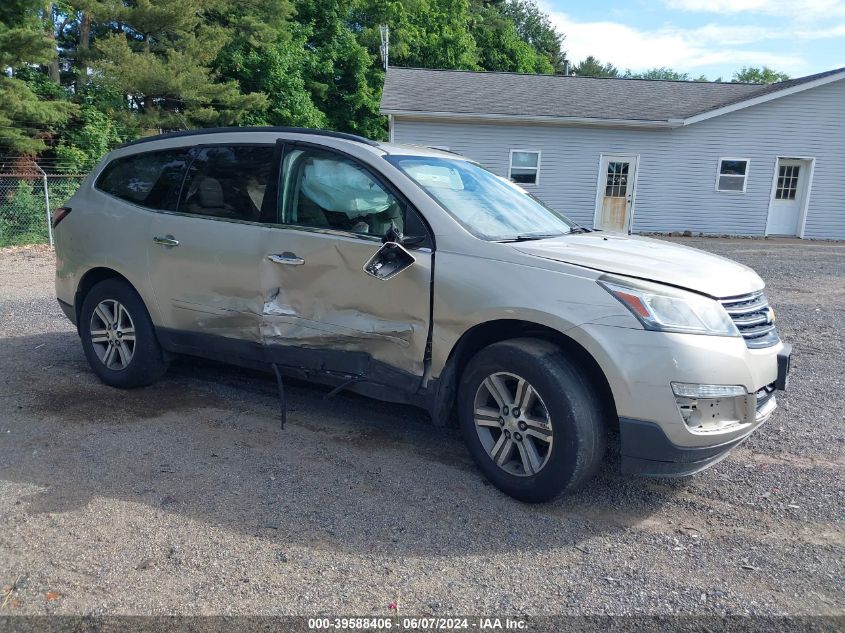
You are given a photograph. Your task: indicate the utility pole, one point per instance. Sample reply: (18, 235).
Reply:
(384, 30)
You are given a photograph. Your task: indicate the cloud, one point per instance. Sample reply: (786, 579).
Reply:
(793, 9)
(682, 49)
(738, 35)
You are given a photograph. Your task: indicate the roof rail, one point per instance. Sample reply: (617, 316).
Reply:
(220, 130)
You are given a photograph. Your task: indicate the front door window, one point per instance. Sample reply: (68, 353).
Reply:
(787, 185)
(328, 191)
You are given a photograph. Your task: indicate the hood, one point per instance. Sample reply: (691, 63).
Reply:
(651, 259)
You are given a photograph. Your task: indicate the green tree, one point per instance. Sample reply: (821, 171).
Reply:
(535, 28)
(82, 144)
(592, 67)
(25, 117)
(160, 55)
(276, 71)
(500, 46)
(338, 71)
(268, 54)
(663, 73)
(423, 33)
(764, 75)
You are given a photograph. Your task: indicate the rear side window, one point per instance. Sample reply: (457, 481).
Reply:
(151, 179)
(230, 181)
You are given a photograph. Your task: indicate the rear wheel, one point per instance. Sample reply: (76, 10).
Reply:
(531, 420)
(118, 336)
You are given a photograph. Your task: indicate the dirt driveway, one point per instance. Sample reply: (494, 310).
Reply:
(186, 497)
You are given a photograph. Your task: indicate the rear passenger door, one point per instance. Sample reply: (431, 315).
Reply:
(203, 249)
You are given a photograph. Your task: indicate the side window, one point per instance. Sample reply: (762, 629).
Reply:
(151, 179)
(732, 175)
(325, 190)
(229, 181)
(524, 167)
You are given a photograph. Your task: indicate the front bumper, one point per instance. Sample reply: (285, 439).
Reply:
(641, 365)
(647, 451)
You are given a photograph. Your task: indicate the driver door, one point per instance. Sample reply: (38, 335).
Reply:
(322, 310)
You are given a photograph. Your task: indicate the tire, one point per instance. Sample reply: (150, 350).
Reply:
(562, 395)
(133, 363)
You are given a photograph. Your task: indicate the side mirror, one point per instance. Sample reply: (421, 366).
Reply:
(388, 261)
(393, 234)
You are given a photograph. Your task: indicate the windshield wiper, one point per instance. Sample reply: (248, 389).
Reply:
(527, 237)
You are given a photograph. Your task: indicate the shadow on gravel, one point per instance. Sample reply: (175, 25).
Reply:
(347, 474)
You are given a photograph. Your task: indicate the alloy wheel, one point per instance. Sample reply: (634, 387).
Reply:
(113, 334)
(513, 424)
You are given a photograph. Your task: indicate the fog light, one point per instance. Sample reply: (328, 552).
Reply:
(709, 408)
(691, 390)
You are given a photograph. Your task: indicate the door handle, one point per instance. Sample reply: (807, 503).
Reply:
(167, 240)
(286, 258)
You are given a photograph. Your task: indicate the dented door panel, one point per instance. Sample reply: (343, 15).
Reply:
(328, 303)
(208, 282)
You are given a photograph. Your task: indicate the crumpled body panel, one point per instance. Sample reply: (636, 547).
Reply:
(219, 281)
(330, 303)
(209, 282)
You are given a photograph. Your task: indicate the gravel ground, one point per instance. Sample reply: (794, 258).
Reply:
(187, 498)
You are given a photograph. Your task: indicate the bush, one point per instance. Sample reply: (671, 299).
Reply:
(23, 214)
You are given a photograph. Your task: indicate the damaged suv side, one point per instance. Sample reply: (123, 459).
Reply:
(416, 276)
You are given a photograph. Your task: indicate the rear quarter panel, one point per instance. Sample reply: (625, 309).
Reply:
(102, 231)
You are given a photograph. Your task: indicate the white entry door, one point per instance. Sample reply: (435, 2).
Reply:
(789, 194)
(615, 195)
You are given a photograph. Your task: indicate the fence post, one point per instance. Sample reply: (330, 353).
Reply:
(46, 202)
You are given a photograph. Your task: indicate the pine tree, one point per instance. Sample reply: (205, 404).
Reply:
(24, 116)
(592, 67)
(160, 55)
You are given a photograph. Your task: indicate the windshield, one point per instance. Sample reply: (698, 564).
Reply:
(491, 207)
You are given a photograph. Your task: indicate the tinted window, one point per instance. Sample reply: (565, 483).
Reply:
(229, 182)
(151, 179)
(325, 190)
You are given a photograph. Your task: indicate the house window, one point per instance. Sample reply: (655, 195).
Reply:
(732, 175)
(787, 182)
(524, 167)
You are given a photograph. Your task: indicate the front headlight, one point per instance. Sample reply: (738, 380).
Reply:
(668, 309)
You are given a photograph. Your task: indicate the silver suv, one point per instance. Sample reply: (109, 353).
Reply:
(414, 275)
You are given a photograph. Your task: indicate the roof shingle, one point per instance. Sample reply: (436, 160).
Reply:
(494, 93)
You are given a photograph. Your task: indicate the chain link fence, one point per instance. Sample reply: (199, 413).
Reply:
(26, 202)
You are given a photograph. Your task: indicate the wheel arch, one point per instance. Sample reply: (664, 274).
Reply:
(480, 336)
(90, 279)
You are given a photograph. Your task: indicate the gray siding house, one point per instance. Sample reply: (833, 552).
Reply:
(644, 156)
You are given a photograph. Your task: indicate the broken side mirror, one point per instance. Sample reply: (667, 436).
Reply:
(395, 235)
(388, 261)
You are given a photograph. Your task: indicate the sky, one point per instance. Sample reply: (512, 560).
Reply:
(705, 37)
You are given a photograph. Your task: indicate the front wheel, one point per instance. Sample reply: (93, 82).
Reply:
(118, 336)
(531, 419)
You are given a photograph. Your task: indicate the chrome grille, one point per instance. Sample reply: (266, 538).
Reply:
(754, 319)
